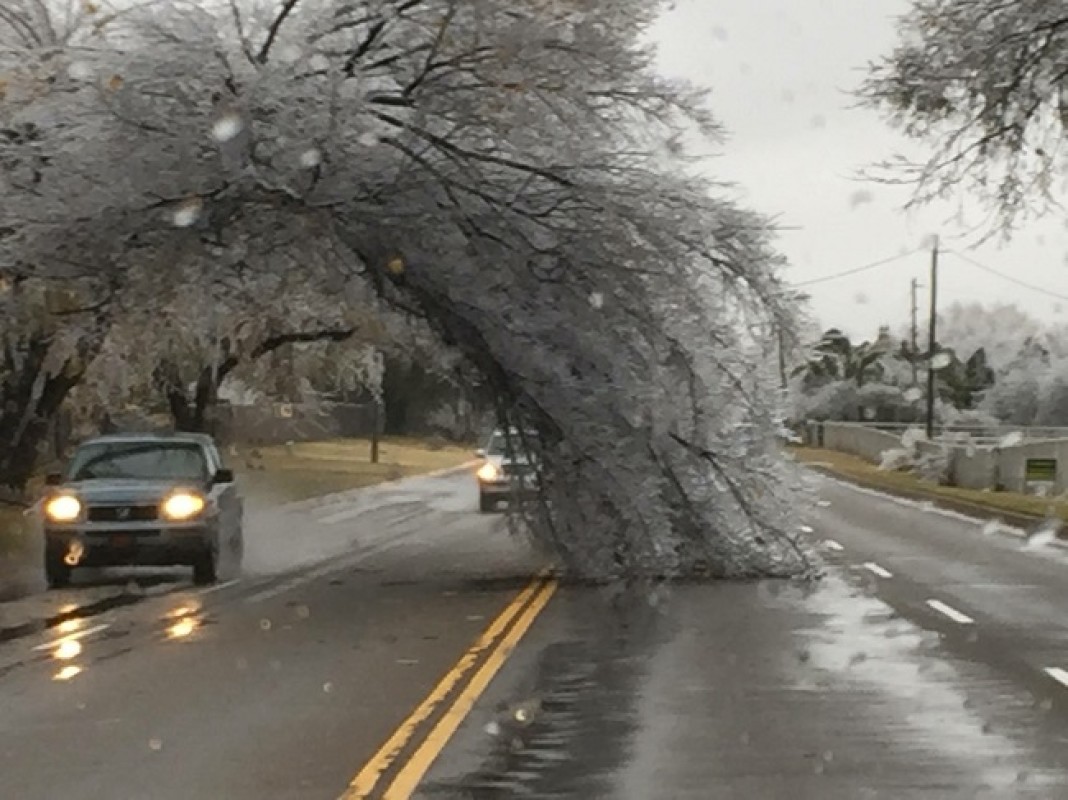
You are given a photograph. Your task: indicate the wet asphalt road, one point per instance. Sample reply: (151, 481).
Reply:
(277, 686)
(853, 688)
(870, 684)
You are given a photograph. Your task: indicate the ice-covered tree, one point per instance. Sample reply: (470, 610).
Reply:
(983, 81)
(502, 169)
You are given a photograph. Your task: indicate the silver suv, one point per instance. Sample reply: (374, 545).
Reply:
(143, 499)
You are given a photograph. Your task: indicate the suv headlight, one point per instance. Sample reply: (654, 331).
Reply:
(488, 472)
(182, 505)
(63, 508)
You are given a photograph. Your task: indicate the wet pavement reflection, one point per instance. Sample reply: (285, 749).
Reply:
(762, 690)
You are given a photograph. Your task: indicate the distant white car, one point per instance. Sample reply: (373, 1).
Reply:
(506, 473)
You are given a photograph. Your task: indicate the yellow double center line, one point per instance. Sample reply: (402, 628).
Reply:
(498, 640)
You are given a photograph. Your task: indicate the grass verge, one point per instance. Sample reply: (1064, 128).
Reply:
(1023, 507)
(14, 543)
(312, 469)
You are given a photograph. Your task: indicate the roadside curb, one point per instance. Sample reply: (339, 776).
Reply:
(968, 509)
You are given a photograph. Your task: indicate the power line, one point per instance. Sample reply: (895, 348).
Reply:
(1005, 277)
(855, 270)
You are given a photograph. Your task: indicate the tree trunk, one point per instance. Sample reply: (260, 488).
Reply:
(26, 413)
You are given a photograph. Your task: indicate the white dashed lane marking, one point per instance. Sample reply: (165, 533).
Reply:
(949, 611)
(1058, 674)
(875, 569)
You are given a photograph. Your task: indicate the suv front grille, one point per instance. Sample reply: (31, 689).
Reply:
(122, 513)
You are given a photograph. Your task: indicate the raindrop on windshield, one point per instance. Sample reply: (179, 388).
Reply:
(311, 158)
(860, 198)
(187, 214)
(227, 127)
(155, 744)
(941, 361)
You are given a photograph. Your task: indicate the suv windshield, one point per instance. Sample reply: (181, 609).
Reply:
(498, 445)
(139, 461)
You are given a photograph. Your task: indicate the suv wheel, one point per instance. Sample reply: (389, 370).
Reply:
(206, 568)
(57, 571)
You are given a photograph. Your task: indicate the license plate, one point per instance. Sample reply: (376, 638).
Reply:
(122, 540)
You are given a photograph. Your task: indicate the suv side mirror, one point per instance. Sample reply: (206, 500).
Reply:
(481, 452)
(53, 479)
(224, 476)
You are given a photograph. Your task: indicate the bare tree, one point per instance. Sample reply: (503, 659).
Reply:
(985, 82)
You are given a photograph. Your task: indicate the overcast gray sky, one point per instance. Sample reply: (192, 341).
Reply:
(779, 71)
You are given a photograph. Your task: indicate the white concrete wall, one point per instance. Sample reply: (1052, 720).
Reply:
(860, 440)
(971, 466)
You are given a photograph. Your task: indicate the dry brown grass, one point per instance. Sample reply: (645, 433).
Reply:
(311, 469)
(864, 472)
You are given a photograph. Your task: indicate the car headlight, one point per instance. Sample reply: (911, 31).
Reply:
(63, 508)
(182, 505)
(488, 472)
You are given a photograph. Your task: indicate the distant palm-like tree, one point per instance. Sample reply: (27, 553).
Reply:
(835, 358)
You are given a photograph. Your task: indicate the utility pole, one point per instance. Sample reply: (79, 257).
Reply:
(931, 341)
(915, 351)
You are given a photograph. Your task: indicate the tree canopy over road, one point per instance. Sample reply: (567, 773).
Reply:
(508, 172)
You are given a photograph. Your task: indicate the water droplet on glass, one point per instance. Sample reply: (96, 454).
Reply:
(819, 767)
(80, 71)
(806, 529)
(941, 360)
(368, 139)
(227, 127)
(311, 158)
(860, 197)
(596, 299)
(328, 687)
(187, 214)
(303, 611)
(155, 744)
(493, 728)
(913, 395)
(265, 624)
